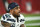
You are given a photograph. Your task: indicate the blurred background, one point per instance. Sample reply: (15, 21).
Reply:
(29, 8)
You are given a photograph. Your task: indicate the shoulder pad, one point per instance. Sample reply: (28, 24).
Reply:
(7, 15)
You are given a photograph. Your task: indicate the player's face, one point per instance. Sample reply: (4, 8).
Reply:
(16, 11)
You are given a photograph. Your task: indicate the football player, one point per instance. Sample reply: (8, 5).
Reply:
(13, 18)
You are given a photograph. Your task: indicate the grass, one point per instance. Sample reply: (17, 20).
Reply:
(31, 15)
(33, 21)
(0, 17)
(33, 26)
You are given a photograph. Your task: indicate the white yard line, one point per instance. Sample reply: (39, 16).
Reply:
(32, 18)
(33, 24)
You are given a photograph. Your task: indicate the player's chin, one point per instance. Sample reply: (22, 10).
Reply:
(19, 15)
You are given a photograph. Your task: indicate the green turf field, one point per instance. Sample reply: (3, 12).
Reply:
(32, 26)
(32, 21)
(31, 15)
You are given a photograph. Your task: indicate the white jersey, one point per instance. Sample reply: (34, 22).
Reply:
(12, 20)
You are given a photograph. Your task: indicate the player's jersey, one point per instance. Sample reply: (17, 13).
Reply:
(12, 20)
